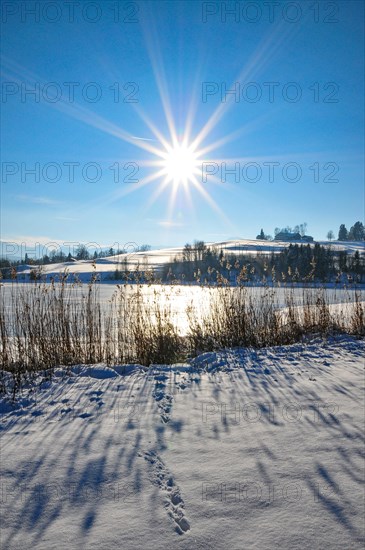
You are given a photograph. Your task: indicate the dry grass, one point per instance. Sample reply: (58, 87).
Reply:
(45, 325)
(236, 317)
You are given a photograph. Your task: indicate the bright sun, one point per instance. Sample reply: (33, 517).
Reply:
(180, 163)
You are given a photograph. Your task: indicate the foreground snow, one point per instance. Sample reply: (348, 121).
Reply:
(241, 449)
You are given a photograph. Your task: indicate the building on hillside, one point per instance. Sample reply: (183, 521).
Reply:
(288, 236)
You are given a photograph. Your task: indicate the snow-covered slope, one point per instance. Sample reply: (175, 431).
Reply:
(156, 258)
(239, 450)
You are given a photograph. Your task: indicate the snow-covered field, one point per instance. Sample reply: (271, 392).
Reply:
(157, 258)
(241, 449)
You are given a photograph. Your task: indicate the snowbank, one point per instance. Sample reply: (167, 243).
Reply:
(253, 449)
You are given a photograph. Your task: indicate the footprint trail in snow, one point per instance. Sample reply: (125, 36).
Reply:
(163, 479)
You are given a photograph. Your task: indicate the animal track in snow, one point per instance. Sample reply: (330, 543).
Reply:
(163, 399)
(163, 479)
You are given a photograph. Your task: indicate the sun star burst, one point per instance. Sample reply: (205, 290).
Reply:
(180, 163)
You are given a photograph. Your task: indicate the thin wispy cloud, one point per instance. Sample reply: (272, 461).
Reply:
(37, 200)
(30, 240)
(169, 223)
(143, 139)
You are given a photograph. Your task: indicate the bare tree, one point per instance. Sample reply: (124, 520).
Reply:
(144, 248)
(303, 229)
(330, 235)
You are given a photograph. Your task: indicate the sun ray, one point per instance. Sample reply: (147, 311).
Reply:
(158, 191)
(210, 200)
(154, 52)
(75, 110)
(263, 55)
(174, 158)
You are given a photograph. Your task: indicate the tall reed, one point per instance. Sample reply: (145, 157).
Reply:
(43, 325)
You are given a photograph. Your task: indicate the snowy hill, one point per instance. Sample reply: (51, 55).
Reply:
(157, 258)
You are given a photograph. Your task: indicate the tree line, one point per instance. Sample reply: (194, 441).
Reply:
(356, 232)
(295, 263)
(57, 257)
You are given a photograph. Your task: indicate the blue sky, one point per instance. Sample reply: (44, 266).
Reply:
(161, 60)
